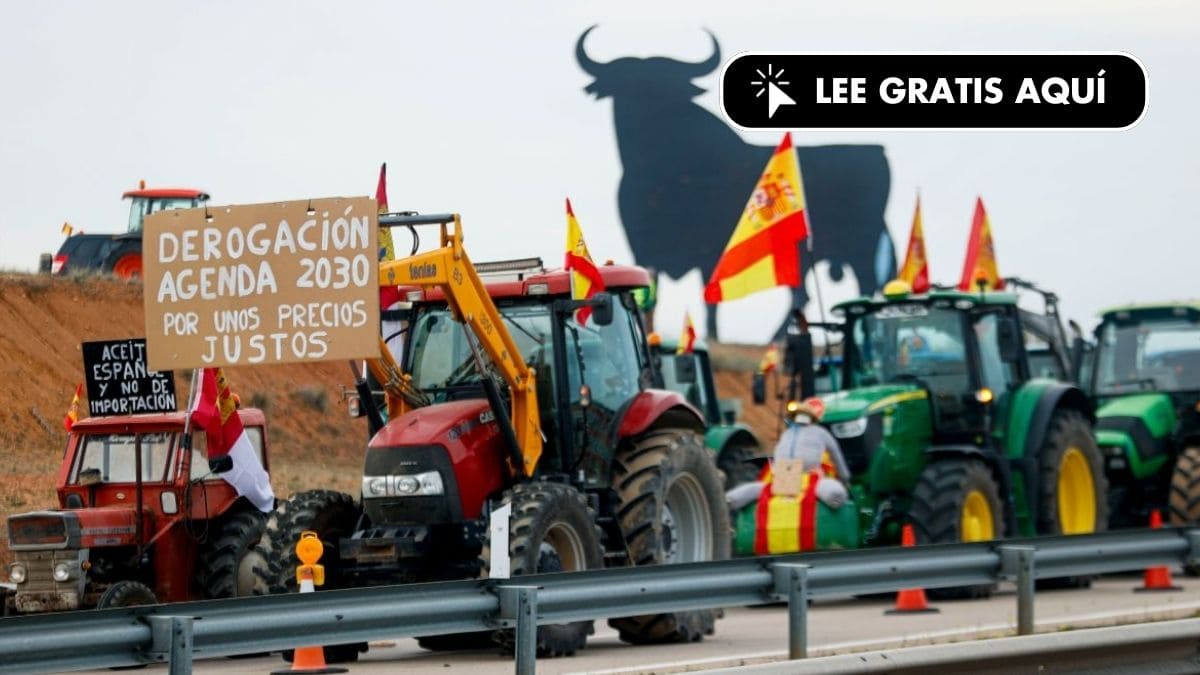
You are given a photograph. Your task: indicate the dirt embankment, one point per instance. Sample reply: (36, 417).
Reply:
(314, 443)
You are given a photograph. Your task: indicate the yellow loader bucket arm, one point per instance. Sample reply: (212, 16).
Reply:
(449, 269)
(402, 396)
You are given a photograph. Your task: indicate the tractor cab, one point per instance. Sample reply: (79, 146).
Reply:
(144, 201)
(1146, 380)
(140, 519)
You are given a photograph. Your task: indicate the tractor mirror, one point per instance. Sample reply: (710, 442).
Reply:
(222, 464)
(1009, 340)
(602, 309)
(758, 388)
(685, 369)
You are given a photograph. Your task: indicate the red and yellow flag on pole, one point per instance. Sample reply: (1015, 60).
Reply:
(387, 251)
(585, 278)
(215, 411)
(72, 415)
(764, 251)
(980, 263)
(687, 338)
(915, 269)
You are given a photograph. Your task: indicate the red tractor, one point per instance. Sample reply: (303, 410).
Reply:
(507, 399)
(120, 254)
(192, 539)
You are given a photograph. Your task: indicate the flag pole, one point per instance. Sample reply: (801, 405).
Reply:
(186, 443)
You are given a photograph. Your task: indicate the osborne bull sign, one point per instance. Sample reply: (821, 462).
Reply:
(263, 283)
(686, 174)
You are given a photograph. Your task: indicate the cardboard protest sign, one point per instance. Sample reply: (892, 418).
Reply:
(119, 382)
(262, 283)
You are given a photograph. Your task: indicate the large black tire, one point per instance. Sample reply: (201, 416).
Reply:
(228, 558)
(952, 501)
(453, 642)
(332, 515)
(1066, 506)
(1183, 503)
(737, 462)
(126, 593)
(551, 529)
(671, 508)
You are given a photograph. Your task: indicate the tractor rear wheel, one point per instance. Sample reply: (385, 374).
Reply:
(737, 462)
(671, 509)
(228, 558)
(332, 515)
(551, 529)
(957, 500)
(1184, 503)
(1073, 494)
(126, 262)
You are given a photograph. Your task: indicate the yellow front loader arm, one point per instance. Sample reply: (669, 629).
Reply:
(449, 269)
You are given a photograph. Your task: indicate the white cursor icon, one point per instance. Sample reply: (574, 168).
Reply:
(775, 98)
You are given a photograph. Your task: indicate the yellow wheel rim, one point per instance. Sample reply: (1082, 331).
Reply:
(1076, 493)
(977, 521)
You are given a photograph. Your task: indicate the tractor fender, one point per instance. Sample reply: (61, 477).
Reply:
(994, 461)
(1054, 397)
(653, 408)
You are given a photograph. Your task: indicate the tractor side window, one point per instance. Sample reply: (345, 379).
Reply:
(114, 457)
(199, 469)
(996, 374)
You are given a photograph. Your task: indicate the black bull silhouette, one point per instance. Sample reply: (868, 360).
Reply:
(687, 177)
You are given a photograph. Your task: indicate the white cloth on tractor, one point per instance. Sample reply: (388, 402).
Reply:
(248, 476)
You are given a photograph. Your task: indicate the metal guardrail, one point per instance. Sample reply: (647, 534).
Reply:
(177, 633)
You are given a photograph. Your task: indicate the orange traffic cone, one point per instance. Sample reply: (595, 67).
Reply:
(309, 660)
(1157, 578)
(910, 600)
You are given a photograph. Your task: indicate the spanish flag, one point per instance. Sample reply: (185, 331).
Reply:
(387, 250)
(764, 251)
(72, 415)
(784, 524)
(216, 412)
(585, 278)
(915, 270)
(687, 339)
(769, 360)
(980, 263)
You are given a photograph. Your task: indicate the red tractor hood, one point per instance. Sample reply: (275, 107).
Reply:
(79, 528)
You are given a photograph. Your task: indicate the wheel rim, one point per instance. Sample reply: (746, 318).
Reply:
(1076, 493)
(128, 267)
(565, 544)
(978, 523)
(686, 532)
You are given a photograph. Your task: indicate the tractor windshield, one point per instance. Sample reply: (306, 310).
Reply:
(909, 342)
(140, 207)
(1148, 356)
(441, 357)
(112, 458)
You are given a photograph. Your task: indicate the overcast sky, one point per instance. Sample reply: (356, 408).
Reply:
(479, 108)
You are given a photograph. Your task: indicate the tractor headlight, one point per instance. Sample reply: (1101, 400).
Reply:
(424, 484)
(851, 429)
(62, 572)
(17, 573)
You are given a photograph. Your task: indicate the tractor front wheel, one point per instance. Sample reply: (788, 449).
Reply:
(126, 593)
(332, 515)
(738, 464)
(228, 559)
(957, 500)
(126, 262)
(671, 509)
(551, 529)
(1184, 502)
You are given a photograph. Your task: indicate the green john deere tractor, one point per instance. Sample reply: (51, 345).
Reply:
(1146, 381)
(957, 415)
(738, 452)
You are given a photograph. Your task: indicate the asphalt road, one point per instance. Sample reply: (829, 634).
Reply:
(756, 635)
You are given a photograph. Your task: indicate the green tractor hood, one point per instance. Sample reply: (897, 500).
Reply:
(844, 406)
(1140, 425)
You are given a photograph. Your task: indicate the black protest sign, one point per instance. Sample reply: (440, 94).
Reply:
(120, 383)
